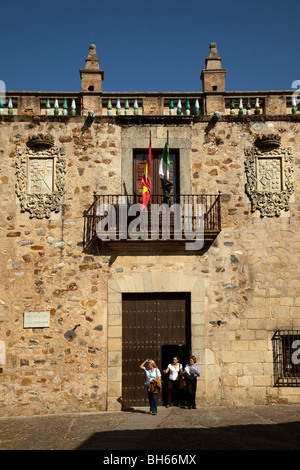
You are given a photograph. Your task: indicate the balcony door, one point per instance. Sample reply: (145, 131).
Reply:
(139, 161)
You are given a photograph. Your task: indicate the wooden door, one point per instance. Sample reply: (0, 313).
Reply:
(154, 326)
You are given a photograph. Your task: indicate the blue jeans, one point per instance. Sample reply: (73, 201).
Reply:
(152, 397)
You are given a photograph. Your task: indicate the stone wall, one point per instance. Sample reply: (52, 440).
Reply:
(253, 274)
(243, 288)
(43, 268)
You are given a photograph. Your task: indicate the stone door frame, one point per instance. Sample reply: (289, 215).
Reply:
(155, 281)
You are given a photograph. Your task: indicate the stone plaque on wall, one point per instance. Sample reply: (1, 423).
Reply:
(2, 353)
(37, 319)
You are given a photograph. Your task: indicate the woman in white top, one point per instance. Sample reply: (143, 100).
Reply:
(173, 381)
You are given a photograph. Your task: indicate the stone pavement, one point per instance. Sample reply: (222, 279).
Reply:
(275, 427)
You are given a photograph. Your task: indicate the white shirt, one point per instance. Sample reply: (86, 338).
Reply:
(174, 371)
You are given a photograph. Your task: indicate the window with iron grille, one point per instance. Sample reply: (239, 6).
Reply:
(286, 358)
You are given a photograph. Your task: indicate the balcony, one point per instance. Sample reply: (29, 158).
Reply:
(121, 222)
(131, 106)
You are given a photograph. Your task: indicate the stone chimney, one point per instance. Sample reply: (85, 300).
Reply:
(91, 76)
(213, 76)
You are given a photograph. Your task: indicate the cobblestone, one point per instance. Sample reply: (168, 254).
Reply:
(274, 427)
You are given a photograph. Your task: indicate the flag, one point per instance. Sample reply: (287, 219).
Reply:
(164, 174)
(146, 180)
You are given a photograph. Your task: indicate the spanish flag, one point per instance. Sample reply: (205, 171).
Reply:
(146, 180)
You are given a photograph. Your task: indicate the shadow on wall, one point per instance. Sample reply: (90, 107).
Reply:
(284, 436)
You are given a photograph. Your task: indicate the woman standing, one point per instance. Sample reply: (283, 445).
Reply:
(173, 381)
(153, 378)
(191, 373)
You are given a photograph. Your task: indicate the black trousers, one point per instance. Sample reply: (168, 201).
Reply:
(191, 388)
(173, 387)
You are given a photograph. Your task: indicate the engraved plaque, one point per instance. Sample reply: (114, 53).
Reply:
(37, 319)
(41, 175)
(2, 353)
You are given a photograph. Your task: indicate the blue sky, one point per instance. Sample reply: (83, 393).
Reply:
(149, 46)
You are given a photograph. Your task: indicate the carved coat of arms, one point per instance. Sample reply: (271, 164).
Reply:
(269, 171)
(40, 176)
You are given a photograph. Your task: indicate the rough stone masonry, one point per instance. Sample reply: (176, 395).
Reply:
(61, 306)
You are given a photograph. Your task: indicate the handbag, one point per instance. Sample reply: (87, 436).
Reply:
(182, 381)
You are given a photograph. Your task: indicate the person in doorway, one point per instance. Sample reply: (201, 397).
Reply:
(191, 372)
(153, 383)
(174, 370)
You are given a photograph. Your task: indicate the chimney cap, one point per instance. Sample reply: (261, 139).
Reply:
(92, 50)
(213, 53)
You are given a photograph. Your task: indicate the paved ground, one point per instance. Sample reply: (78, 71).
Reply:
(255, 428)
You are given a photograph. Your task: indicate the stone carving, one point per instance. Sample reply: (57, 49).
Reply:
(268, 141)
(40, 178)
(40, 140)
(270, 176)
(41, 175)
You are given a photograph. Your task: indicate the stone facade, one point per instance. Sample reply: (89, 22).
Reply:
(243, 288)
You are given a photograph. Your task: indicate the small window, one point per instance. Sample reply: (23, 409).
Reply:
(215, 88)
(286, 358)
(91, 88)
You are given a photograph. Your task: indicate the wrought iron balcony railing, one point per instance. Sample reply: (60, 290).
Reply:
(123, 217)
